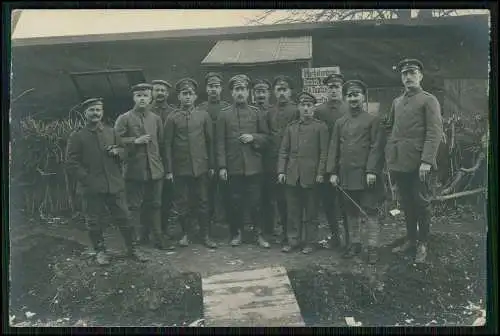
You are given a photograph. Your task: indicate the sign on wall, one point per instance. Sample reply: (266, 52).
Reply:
(312, 79)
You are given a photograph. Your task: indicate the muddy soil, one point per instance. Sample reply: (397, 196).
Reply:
(54, 276)
(396, 291)
(62, 283)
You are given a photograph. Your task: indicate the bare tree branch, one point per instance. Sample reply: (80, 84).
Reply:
(329, 15)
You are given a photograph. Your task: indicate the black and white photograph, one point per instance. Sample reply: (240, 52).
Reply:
(249, 168)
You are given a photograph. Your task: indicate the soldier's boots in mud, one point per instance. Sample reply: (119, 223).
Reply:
(334, 242)
(353, 250)
(236, 241)
(407, 247)
(372, 255)
(184, 242)
(131, 244)
(102, 258)
(421, 254)
(307, 249)
(208, 242)
(262, 242)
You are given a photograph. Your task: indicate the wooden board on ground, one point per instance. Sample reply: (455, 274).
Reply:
(261, 297)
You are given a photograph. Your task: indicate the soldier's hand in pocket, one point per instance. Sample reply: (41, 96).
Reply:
(281, 178)
(371, 179)
(334, 180)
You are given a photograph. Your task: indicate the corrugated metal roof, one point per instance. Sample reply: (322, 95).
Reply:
(260, 50)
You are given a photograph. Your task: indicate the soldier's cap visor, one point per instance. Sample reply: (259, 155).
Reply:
(141, 87)
(161, 82)
(91, 102)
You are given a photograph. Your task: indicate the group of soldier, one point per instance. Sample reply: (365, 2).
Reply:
(161, 164)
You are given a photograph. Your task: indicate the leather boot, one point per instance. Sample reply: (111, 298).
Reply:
(236, 239)
(262, 242)
(372, 255)
(184, 242)
(209, 242)
(97, 240)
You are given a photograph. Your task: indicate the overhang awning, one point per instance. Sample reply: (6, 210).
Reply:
(269, 50)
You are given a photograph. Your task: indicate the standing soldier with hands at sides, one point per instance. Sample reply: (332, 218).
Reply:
(94, 156)
(329, 112)
(301, 166)
(160, 107)
(278, 117)
(415, 130)
(213, 106)
(189, 161)
(241, 133)
(141, 131)
(355, 164)
(262, 93)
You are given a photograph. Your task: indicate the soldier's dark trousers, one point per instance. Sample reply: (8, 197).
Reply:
(145, 196)
(95, 213)
(361, 229)
(329, 196)
(415, 201)
(244, 197)
(166, 207)
(191, 196)
(273, 196)
(299, 201)
(216, 200)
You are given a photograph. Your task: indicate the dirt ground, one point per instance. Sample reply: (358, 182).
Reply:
(53, 275)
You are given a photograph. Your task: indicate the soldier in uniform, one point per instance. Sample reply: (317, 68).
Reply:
(278, 117)
(214, 104)
(159, 106)
(329, 112)
(142, 133)
(301, 165)
(93, 155)
(415, 131)
(355, 160)
(262, 92)
(189, 161)
(240, 133)
(160, 93)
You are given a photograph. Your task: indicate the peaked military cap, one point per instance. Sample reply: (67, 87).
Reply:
(239, 80)
(261, 83)
(354, 84)
(161, 82)
(213, 77)
(409, 64)
(90, 102)
(185, 83)
(283, 79)
(306, 97)
(333, 78)
(141, 87)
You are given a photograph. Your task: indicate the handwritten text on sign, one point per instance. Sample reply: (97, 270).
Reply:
(313, 81)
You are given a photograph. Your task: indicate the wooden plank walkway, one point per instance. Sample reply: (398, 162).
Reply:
(252, 298)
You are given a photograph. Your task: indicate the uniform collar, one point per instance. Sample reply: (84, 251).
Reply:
(305, 121)
(141, 113)
(413, 92)
(188, 111)
(94, 128)
(213, 102)
(356, 113)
